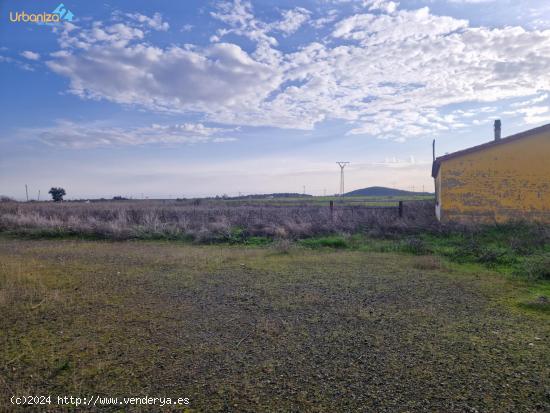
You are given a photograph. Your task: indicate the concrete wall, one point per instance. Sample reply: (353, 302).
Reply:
(500, 183)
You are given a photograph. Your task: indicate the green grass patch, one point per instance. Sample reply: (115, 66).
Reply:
(333, 241)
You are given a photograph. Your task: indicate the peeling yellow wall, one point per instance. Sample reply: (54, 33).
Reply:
(505, 182)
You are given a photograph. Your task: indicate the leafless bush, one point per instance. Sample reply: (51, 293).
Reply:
(208, 221)
(282, 245)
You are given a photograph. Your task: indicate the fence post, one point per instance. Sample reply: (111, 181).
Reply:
(400, 209)
(331, 210)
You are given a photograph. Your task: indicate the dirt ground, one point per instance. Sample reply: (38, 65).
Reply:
(252, 329)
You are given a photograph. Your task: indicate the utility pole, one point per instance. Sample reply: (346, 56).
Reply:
(304, 189)
(39, 195)
(27, 192)
(342, 165)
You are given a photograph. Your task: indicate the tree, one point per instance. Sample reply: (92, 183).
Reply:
(57, 194)
(4, 198)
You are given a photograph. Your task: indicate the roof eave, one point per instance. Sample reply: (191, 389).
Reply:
(528, 133)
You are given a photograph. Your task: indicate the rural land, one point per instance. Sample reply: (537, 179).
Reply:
(250, 305)
(247, 206)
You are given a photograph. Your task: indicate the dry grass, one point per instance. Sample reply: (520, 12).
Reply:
(427, 262)
(250, 330)
(207, 222)
(20, 283)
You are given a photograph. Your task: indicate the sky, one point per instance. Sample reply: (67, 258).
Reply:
(171, 99)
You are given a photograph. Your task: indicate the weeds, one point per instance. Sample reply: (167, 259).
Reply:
(207, 222)
(536, 267)
(415, 246)
(221, 322)
(282, 246)
(515, 248)
(335, 241)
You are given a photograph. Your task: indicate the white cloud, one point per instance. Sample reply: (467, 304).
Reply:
(241, 21)
(292, 20)
(389, 74)
(154, 22)
(27, 54)
(176, 79)
(238, 15)
(384, 5)
(535, 114)
(66, 133)
(398, 163)
(537, 99)
(16, 62)
(117, 35)
(418, 24)
(330, 16)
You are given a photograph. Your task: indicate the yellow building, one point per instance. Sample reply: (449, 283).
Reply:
(506, 179)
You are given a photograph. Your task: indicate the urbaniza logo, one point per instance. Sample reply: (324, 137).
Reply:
(61, 13)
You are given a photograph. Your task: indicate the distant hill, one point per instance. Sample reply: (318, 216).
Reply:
(383, 191)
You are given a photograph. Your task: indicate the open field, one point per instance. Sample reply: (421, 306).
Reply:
(355, 200)
(269, 329)
(520, 248)
(205, 221)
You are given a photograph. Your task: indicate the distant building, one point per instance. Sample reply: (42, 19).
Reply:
(506, 179)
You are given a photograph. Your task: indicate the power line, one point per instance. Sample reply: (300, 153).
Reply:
(342, 165)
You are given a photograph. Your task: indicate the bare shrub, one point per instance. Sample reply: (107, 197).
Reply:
(282, 246)
(209, 220)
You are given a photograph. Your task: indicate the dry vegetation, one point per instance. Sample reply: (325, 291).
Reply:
(361, 311)
(206, 222)
(519, 248)
(258, 329)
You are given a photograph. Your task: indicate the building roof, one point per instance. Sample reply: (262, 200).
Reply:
(531, 132)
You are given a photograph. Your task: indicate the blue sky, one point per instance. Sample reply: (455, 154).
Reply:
(202, 98)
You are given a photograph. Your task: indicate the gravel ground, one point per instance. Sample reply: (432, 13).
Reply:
(251, 329)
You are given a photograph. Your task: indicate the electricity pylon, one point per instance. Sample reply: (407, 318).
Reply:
(342, 165)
